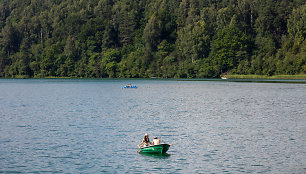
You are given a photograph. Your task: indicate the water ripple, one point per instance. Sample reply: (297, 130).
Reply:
(93, 126)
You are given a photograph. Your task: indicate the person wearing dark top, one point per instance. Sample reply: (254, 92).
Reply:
(145, 142)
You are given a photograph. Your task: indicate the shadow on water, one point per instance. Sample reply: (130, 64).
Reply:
(159, 156)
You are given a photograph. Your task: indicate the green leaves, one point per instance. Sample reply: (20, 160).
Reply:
(229, 47)
(193, 42)
(162, 38)
(296, 24)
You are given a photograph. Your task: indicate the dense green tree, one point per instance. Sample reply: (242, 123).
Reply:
(193, 42)
(10, 39)
(162, 38)
(229, 47)
(151, 36)
(125, 19)
(110, 37)
(110, 59)
(292, 55)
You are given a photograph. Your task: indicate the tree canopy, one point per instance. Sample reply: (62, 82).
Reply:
(162, 38)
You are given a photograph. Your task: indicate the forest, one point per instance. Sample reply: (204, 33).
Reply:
(145, 38)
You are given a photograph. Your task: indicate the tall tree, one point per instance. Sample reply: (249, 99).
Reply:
(229, 47)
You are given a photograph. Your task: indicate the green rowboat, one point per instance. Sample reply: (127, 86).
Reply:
(155, 149)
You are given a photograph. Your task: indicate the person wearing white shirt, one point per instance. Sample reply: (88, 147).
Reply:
(156, 141)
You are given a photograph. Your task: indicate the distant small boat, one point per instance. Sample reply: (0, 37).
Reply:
(155, 149)
(130, 86)
(223, 77)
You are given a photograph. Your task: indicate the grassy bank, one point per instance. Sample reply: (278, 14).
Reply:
(289, 77)
(55, 77)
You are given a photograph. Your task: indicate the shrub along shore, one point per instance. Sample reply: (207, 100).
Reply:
(289, 77)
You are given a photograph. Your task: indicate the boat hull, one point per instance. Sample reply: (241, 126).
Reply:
(156, 149)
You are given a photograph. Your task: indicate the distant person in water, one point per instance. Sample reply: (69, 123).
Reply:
(145, 142)
(156, 141)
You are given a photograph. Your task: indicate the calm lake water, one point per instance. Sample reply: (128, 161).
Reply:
(94, 126)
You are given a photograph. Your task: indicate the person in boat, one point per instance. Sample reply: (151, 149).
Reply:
(156, 141)
(145, 142)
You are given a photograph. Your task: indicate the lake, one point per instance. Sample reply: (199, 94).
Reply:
(94, 126)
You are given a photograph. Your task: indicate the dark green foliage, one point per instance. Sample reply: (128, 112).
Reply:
(229, 47)
(162, 38)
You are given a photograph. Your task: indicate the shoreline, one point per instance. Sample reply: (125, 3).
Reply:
(229, 77)
(265, 77)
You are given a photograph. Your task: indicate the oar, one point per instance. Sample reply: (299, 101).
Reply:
(139, 148)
